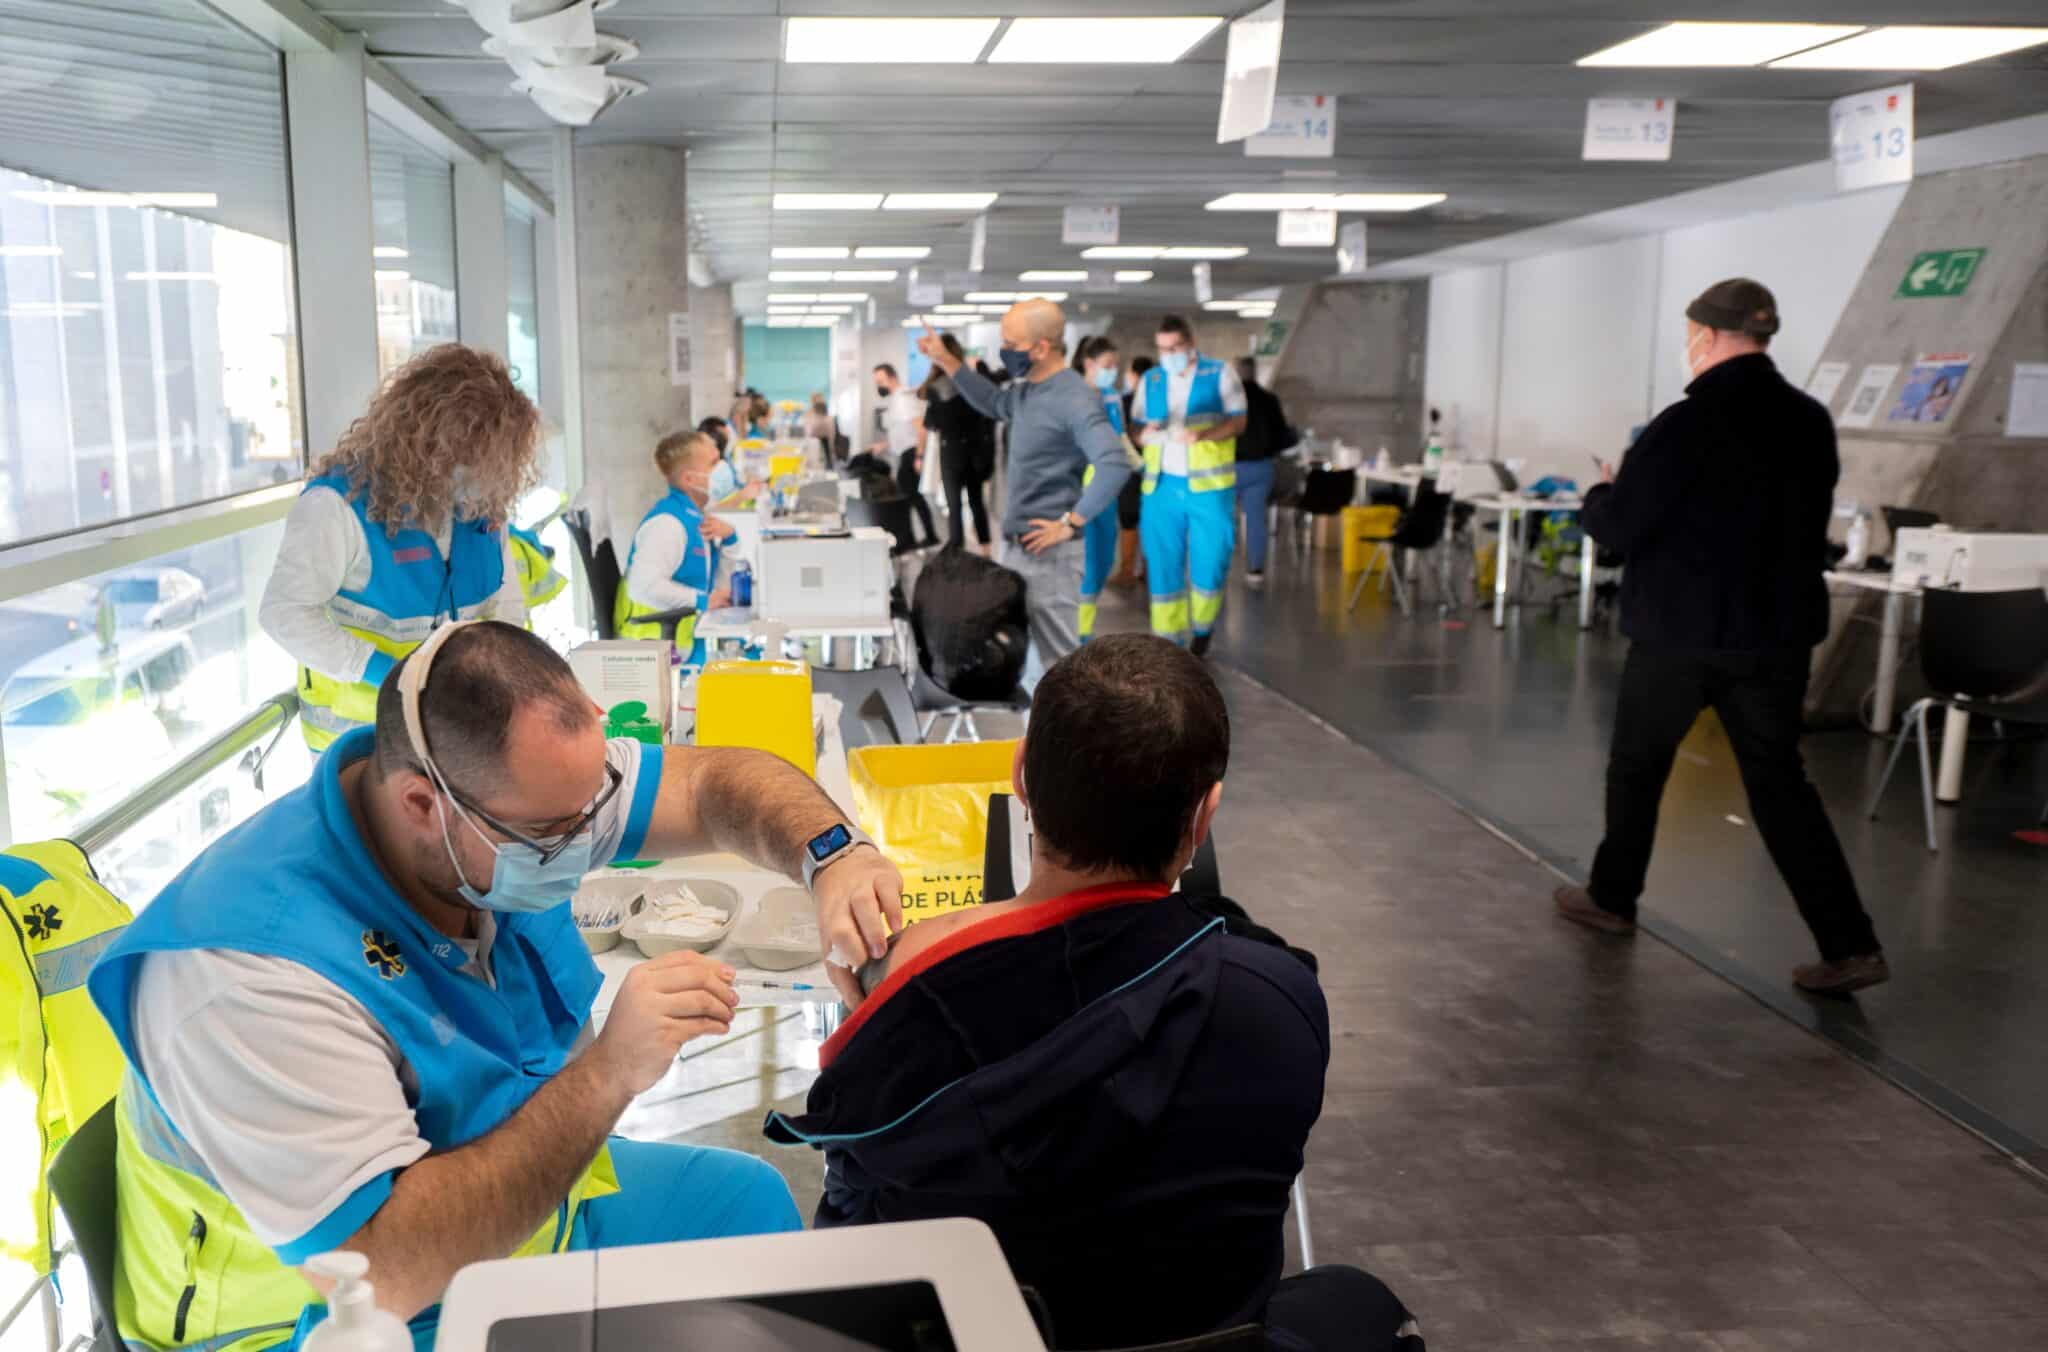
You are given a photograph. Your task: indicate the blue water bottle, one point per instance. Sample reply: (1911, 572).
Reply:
(743, 586)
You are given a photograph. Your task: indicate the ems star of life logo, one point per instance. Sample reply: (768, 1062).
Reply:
(380, 950)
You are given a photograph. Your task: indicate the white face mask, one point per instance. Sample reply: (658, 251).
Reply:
(1695, 352)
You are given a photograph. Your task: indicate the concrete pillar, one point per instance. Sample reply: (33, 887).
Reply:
(480, 277)
(632, 244)
(714, 362)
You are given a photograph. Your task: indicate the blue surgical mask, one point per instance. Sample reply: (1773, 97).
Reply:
(725, 481)
(520, 882)
(1174, 362)
(1104, 377)
(1017, 361)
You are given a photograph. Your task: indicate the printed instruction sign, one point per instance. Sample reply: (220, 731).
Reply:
(679, 349)
(1861, 410)
(1939, 273)
(1085, 226)
(1871, 138)
(1629, 129)
(1826, 379)
(1308, 229)
(1304, 127)
(2026, 414)
(1351, 249)
(1931, 388)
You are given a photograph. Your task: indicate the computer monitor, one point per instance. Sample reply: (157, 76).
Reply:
(923, 1286)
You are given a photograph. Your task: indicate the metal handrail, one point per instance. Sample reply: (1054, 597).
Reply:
(273, 715)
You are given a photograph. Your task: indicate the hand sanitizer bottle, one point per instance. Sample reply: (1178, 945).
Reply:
(355, 1322)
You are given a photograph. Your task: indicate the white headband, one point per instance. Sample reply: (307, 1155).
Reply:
(411, 680)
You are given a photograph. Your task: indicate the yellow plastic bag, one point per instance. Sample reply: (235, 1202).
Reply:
(927, 808)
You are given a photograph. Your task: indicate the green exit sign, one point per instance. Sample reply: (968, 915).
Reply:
(1940, 272)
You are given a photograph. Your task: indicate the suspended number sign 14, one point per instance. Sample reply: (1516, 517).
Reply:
(1304, 126)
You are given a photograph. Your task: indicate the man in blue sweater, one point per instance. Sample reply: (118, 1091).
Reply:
(1118, 1079)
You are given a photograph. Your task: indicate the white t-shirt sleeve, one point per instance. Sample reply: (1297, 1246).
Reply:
(323, 552)
(658, 548)
(1230, 389)
(621, 826)
(287, 1090)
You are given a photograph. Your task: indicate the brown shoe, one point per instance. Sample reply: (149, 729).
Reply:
(1842, 978)
(1576, 904)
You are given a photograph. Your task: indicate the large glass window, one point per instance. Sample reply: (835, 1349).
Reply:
(146, 346)
(412, 205)
(522, 295)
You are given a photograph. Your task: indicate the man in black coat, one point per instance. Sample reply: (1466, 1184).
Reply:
(1721, 510)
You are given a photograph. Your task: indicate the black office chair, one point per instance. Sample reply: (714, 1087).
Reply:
(895, 515)
(1290, 477)
(82, 1181)
(1421, 529)
(1897, 519)
(1327, 493)
(1992, 645)
(601, 574)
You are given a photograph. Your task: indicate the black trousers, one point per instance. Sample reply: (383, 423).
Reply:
(907, 476)
(956, 469)
(1129, 502)
(1760, 699)
(1339, 1309)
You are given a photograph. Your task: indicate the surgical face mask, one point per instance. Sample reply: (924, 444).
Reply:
(466, 491)
(1174, 362)
(725, 481)
(520, 882)
(1104, 377)
(1696, 345)
(882, 391)
(1016, 361)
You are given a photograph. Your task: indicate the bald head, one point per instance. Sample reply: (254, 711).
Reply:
(1038, 329)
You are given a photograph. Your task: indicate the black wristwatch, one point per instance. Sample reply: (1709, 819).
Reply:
(1072, 522)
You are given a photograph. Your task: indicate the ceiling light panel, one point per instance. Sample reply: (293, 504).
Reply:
(891, 41)
(939, 201)
(1910, 47)
(1204, 251)
(1086, 41)
(1324, 201)
(786, 309)
(824, 296)
(1131, 275)
(785, 275)
(956, 309)
(813, 251)
(908, 251)
(869, 275)
(790, 298)
(1054, 275)
(388, 251)
(1138, 251)
(828, 201)
(1718, 44)
(988, 296)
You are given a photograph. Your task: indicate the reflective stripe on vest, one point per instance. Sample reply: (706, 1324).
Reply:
(539, 582)
(54, 1044)
(698, 570)
(1212, 465)
(412, 589)
(297, 882)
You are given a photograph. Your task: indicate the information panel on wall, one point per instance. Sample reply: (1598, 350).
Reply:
(1304, 126)
(1629, 129)
(1871, 138)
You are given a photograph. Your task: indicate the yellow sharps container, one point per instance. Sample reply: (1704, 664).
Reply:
(766, 705)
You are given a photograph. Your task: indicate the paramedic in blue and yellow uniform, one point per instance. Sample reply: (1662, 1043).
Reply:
(1096, 360)
(1192, 408)
(402, 528)
(362, 1019)
(674, 559)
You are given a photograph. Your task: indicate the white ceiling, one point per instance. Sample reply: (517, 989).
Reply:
(1476, 98)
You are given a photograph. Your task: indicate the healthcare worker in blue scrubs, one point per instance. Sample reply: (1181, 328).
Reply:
(674, 558)
(1192, 408)
(364, 1019)
(1096, 360)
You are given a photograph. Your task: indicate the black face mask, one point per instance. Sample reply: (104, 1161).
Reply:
(882, 391)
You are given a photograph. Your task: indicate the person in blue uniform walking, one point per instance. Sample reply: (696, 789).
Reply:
(675, 554)
(1193, 409)
(1096, 360)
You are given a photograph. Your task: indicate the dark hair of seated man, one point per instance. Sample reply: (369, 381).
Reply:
(1116, 1078)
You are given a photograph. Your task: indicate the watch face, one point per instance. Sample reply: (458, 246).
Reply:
(828, 843)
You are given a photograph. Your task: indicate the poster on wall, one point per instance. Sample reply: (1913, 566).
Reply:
(1870, 137)
(1861, 410)
(2026, 413)
(1826, 379)
(678, 350)
(1628, 129)
(1304, 127)
(1931, 388)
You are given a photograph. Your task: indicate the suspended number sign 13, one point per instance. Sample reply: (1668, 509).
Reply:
(1871, 138)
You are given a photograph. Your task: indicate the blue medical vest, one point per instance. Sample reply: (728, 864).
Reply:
(699, 567)
(412, 589)
(1205, 396)
(1113, 405)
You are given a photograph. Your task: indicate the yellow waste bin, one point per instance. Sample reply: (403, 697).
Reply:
(927, 809)
(766, 705)
(1364, 528)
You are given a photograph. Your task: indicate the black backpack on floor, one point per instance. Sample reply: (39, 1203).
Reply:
(971, 629)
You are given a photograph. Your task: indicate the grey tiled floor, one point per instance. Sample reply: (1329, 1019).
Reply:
(1545, 1139)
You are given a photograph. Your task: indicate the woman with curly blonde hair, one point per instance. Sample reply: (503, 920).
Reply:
(401, 528)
